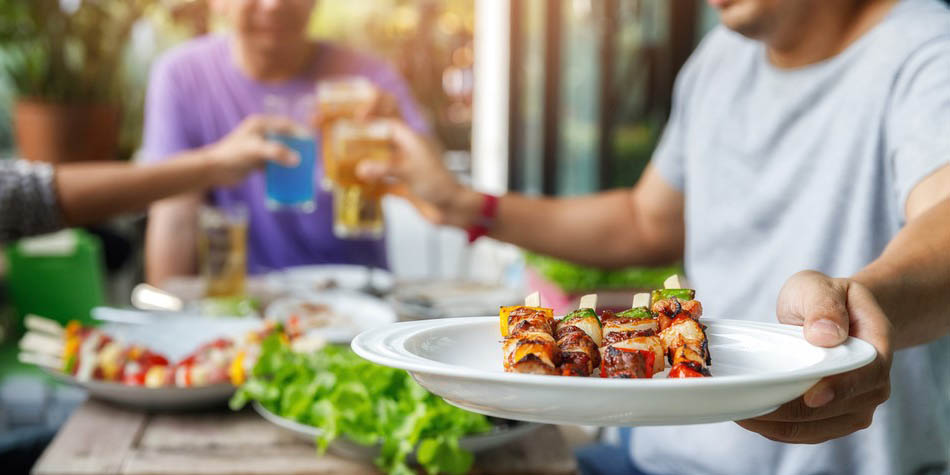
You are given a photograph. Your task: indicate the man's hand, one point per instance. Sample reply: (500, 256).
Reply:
(246, 149)
(421, 177)
(830, 310)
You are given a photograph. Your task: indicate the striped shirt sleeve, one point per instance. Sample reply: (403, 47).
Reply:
(28, 203)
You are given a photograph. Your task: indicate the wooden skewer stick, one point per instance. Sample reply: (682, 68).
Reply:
(43, 325)
(641, 300)
(588, 301)
(41, 343)
(40, 359)
(676, 281)
(533, 300)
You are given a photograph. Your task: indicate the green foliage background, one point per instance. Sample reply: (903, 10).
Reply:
(573, 278)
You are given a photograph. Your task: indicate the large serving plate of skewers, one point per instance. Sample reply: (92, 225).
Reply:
(661, 362)
(172, 363)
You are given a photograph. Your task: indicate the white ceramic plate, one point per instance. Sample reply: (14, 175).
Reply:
(425, 299)
(355, 312)
(175, 337)
(336, 276)
(153, 399)
(756, 367)
(352, 450)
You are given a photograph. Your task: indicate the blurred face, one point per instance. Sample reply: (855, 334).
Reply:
(756, 18)
(267, 24)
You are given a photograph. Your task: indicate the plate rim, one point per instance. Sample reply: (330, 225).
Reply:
(388, 279)
(276, 419)
(855, 353)
(95, 384)
(383, 309)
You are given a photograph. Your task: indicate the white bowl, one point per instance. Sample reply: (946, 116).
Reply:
(756, 367)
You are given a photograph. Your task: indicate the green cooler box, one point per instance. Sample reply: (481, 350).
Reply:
(58, 276)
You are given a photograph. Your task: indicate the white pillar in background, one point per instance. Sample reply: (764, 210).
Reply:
(490, 115)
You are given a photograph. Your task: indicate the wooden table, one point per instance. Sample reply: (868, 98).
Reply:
(103, 439)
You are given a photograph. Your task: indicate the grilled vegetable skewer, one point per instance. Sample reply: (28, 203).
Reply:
(529, 345)
(579, 337)
(631, 348)
(684, 338)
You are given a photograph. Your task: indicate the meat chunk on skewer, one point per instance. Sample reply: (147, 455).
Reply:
(619, 327)
(530, 346)
(639, 357)
(687, 347)
(578, 337)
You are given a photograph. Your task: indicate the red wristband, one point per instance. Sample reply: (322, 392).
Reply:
(486, 218)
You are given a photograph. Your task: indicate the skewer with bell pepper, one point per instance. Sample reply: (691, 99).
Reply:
(683, 337)
(631, 348)
(529, 345)
(579, 337)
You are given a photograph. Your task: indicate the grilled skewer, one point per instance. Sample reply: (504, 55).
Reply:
(684, 338)
(529, 345)
(579, 337)
(631, 348)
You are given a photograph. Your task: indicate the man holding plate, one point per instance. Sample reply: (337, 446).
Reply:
(804, 135)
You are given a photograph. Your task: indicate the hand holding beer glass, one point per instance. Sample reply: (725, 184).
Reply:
(347, 140)
(357, 207)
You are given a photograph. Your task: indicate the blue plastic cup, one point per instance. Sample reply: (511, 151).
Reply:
(293, 187)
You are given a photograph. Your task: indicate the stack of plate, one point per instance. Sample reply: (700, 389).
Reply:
(422, 300)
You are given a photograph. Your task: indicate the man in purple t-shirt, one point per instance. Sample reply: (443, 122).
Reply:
(203, 89)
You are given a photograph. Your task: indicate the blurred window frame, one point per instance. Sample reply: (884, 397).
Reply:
(537, 162)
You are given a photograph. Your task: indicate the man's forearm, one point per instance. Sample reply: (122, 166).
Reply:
(603, 230)
(911, 279)
(90, 192)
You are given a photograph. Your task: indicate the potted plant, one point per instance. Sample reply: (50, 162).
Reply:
(63, 60)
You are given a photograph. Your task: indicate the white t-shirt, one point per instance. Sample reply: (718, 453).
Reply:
(786, 170)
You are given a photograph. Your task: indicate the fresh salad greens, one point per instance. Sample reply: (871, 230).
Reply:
(345, 395)
(574, 278)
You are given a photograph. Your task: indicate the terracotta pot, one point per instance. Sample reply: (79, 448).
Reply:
(56, 133)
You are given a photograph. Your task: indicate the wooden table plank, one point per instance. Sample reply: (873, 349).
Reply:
(104, 439)
(223, 428)
(175, 440)
(291, 460)
(96, 439)
(543, 452)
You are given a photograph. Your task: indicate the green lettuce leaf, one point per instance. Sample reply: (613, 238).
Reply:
(347, 396)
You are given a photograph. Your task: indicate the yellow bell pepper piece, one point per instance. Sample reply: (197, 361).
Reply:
(71, 347)
(236, 369)
(73, 327)
(504, 312)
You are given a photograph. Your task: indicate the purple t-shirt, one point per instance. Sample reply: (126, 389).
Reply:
(197, 95)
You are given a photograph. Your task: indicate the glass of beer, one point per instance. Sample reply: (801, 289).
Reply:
(336, 99)
(357, 208)
(222, 249)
